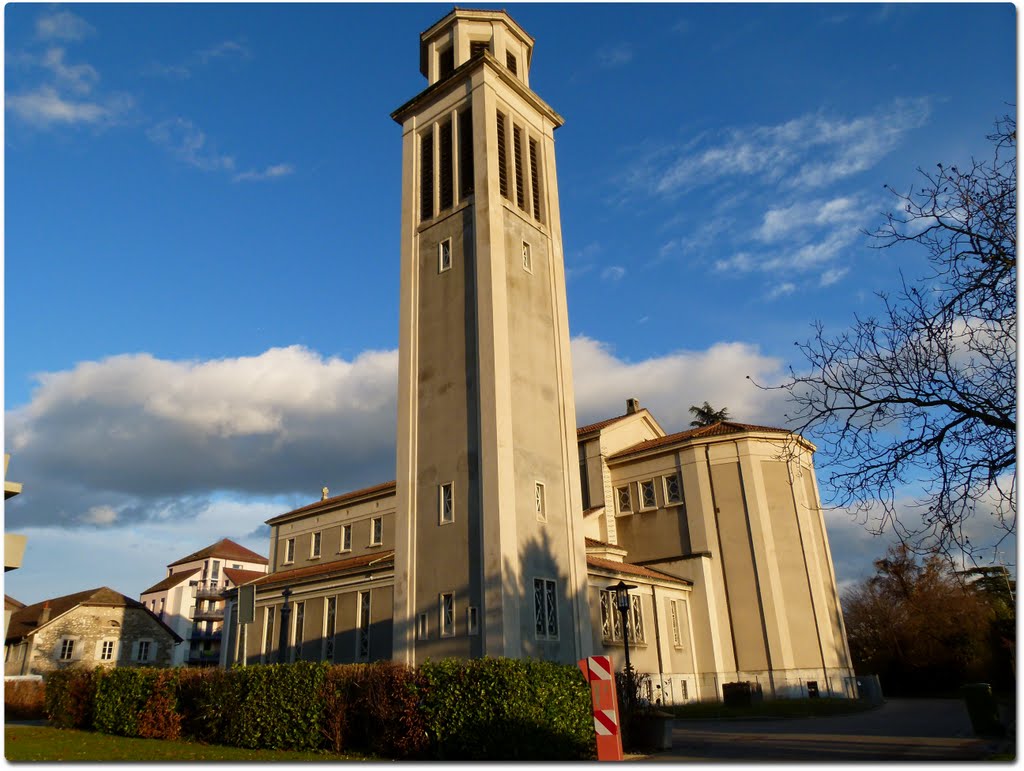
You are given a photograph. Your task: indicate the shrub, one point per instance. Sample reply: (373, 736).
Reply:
(121, 697)
(273, 706)
(507, 709)
(24, 700)
(381, 710)
(160, 718)
(71, 697)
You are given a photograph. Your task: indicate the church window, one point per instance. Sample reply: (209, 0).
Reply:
(346, 537)
(673, 491)
(330, 627)
(677, 632)
(510, 62)
(447, 609)
(584, 477)
(636, 631)
(502, 162)
(268, 638)
(300, 624)
(527, 258)
(623, 501)
(314, 546)
(446, 172)
(540, 503)
(427, 175)
(472, 621)
(611, 619)
(647, 499)
(376, 531)
(465, 152)
(545, 606)
(363, 627)
(444, 255)
(517, 150)
(446, 62)
(289, 551)
(446, 503)
(535, 179)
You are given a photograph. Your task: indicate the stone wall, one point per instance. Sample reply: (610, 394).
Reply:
(89, 627)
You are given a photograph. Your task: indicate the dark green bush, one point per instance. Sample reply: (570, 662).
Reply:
(121, 697)
(276, 706)
(507, 709)
(71, 698)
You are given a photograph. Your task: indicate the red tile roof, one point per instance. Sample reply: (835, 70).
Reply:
(600, 424)
(716, 429)
(382, 488)
(226, 549)
(593, 543)
(12, 604)
(26, 621)
(172, 580)
(239, 577)
(380, 559)
(635, 570)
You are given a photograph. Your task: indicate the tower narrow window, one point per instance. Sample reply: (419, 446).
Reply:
(540, 503)
(502, 163)
(427, 175)
(510, 62)
(314, 547)
(346, 537)
(289, 551)
(527, 258)
(376, 531)
(447, 190)
(545, 609)
(535, 179)
(446, 503)
(447, 609)
(444, 255)
(465, 152)
(300, 623)
(584, 477)
(268, 638)
(517, 149)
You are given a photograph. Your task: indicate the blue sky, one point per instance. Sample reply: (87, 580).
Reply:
(201, 236)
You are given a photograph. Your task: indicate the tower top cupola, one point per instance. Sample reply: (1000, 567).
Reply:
(465, 33)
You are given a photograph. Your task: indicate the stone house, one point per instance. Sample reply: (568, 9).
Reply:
(97, 627)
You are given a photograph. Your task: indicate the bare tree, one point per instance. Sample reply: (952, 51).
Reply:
(922, 396)
(706, 415)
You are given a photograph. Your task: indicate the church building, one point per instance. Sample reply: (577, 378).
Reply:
(507, 525)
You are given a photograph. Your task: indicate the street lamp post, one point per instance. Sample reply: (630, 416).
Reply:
(282, 637)
(622, 602)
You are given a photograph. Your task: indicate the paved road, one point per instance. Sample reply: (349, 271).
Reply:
(901, 729)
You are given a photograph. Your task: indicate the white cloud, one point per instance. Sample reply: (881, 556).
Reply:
(781, 290)
(79, 78)
(616, 56)
(784, 222)
(809, 151)
(227, 49)
(613, 273)
(45, 106)
(185, 140)
(832, 276)
(100, 515)
(271, 172)
(62, 26)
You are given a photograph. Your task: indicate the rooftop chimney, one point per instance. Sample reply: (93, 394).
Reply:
(632, 405)
(44, 615)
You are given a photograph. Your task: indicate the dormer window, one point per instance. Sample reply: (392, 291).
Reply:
(446, 62)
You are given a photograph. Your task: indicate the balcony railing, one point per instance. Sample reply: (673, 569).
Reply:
(207, 614)
(202, 634)
(210, 589)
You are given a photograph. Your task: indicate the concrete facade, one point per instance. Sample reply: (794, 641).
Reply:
(99, 627)
(506, 525)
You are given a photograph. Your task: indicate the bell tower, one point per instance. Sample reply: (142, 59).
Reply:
(490, 557)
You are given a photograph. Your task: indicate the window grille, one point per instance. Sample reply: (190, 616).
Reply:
(465, 152)
(545, 609)
(427, 175)
(502, 162)
(673, 492)
(444, 255)
(510, 62)
(363, 640)
(647, 499)
(447, 503)
(535, 179)
(676, 635)
(330, 627)
(478, 47)
(448, 615)
(517, 150)
(447, 190)
(624, 502)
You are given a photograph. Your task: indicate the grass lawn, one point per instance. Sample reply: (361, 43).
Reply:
(769, 709)
(25, 742)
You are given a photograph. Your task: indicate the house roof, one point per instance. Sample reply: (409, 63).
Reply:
(225, 548)
(26, 620)
(239, 577)
(635, 570)
(380, 559)
(600, 424)
(12, 604)
(172, 580)
(722, 428)
(336, 500)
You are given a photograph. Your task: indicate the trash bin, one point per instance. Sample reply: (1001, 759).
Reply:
(983, 709)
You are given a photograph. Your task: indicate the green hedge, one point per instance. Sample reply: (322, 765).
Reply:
(499, 709)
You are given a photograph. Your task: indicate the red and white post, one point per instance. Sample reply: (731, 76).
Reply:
(598, 671)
